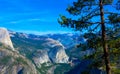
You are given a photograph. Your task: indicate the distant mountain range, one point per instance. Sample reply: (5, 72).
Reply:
(11, 62)
(46, 49)
(40, 54)
(68, 39)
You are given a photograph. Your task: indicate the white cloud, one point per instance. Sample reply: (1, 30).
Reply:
(30, 20)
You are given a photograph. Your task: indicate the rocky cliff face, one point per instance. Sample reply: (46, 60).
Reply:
(56, 51)
(42, 49)
(46, 53)
(40, 57)
(5, 38)
(52, 52)
(11, 62)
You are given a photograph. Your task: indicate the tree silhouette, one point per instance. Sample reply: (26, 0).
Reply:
(90, 16)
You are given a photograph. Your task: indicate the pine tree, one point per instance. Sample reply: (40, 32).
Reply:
(93, 18)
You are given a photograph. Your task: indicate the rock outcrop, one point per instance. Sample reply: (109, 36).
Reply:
(52, 52)
(5, 38)
(40, 57)
(43, 51)
(56, 51)
(12, 62)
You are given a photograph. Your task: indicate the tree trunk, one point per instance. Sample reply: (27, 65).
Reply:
(105, 47)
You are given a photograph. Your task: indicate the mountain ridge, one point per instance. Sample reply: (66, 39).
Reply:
(5, 38)
(11, 62)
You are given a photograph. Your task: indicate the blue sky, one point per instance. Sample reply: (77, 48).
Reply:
(33, 16)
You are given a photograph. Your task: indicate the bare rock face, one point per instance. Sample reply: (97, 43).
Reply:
(40, 57)
(11, 62)
(56, 51)
(53, 52)
(5, 38)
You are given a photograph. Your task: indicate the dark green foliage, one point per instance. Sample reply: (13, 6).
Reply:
(80, 6)
(43, 69)
(114, 18)
(93, 40)
(87, 15)
(5, 60)
(58, 68)
(74, 52)
(26, 46)
(96, 22)
(20, 60)
(62, 68)
(84, 12)
(1, 44)
(85, 72)
(116, 71)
